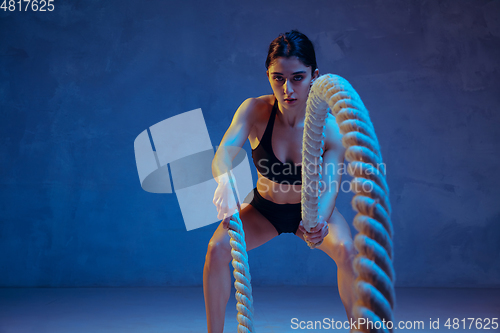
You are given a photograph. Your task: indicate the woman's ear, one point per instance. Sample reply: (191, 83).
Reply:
(315, 74)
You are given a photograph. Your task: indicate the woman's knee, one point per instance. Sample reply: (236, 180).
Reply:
(343, 252)
(218, 252)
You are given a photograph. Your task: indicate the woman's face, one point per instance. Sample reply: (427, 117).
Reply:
(291, 81)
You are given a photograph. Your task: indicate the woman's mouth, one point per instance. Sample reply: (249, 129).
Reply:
(290, 100)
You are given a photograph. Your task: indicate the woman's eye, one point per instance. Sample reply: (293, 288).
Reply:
(278, 78)
(298, 78)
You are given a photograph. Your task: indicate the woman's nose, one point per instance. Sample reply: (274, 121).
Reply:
(288, 88)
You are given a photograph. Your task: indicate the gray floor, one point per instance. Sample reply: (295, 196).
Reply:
(180, 310)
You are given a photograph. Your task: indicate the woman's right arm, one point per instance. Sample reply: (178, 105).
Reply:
(230, 145)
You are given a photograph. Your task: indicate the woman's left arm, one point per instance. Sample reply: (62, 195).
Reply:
(333, 168)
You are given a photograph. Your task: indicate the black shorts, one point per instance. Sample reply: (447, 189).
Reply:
(284, 217)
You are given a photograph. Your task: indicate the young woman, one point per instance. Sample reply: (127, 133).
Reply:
(274, 126)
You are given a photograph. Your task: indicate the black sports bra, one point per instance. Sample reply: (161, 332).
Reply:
(268, 164)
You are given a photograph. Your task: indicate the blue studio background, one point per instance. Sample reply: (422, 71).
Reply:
(78, 84)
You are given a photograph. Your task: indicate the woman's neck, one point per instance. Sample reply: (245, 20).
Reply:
(293, 116)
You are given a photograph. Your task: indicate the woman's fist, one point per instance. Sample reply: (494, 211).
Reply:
(317, 234)
(224, 200)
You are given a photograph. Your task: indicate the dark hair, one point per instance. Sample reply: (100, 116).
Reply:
(292, 43)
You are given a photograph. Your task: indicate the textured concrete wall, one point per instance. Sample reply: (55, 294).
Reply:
(78, 84)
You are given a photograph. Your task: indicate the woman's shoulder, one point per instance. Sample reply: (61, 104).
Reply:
(260, 102)
(258, 108)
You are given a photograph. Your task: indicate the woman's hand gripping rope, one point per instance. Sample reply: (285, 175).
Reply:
(225, 198)
(317, 234)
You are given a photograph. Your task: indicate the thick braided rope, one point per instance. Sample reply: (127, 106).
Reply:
(373, 264)
(241, 274)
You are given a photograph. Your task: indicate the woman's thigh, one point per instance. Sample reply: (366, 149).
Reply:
(258, 230)
(339, 229)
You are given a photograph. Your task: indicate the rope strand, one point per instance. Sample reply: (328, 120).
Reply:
(373, 264)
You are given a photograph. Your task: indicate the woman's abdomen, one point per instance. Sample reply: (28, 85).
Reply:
(280, 193)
